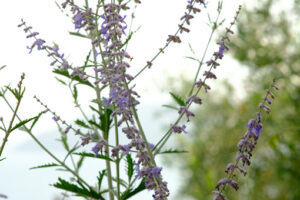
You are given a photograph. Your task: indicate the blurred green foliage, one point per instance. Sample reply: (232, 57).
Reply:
(267, 43)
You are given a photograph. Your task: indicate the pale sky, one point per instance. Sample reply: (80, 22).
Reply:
(157, 18)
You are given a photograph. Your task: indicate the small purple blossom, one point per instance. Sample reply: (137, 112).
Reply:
(55, 118)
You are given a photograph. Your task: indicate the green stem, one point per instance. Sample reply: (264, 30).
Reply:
(47, 151)
(214, 28)
(7, 133)
(118, 158)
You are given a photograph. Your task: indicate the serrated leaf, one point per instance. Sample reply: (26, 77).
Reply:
(171, 107)
(91, 155)
(121, 181)
(78, 35)
(87, 59)
(100, 178)
(106, 120)
(79, 191)
(131, 192)
(21, 124)
(173, 151)
(178, 99)
(14, 92)
(95, 124)
(64, 141)
(45, 166)
(75, 78)
(82, 124)
(94, 109)
(129, 166)
(35, 120)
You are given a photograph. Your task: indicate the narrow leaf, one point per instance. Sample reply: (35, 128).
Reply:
(173, 151)
(75, 94)
(130, 169)
(171, 107)
(178, 99)
(76, 78)
(2, 67)
(21, 123)
(100, 178)
(91, 155)
(80, 162)
(61, 81)
(45, 166)
(84, 192)
(78, 35)
(129, 192)
(95, 124)
(82, 123)
(35, 120)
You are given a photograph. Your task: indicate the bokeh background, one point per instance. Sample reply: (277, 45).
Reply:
(265, 46)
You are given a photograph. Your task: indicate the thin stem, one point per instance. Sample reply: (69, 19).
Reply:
(47, 151)
(8, 131)
(214, 28)
(118, 158)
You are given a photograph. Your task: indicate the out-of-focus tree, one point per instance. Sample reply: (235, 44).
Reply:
(267, 42)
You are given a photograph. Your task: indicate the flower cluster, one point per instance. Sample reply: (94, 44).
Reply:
(186, 19)
(52, 51)
(245, 147)
(212, 64)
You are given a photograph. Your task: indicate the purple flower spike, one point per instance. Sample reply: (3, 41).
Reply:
(156, 172)
(78, 20)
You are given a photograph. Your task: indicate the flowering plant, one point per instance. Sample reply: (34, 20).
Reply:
(105, 71)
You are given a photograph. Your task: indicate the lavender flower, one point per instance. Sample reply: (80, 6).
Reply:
(246, 147)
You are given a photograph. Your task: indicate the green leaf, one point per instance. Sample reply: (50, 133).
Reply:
(131, 192)
(178, 99)
(106, 120)
(87, 59)
(82, 124)
(2, 159)
(173, 151)
(75, 78)
(80, 162)
(35, 120)
(45, 166)
(14, 92)
(192, 58)
(21, 124)
(95, 124)
(94, 109)
(2, 67)
(71, 151)
(91, 155)
(171, 107)
(61, 81)
(129, 166)
(126, 41)
(80, 191)
(75, 94)
(78, 35)
(64, 141)
(100, 178)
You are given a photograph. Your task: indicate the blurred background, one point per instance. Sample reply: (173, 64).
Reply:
(266, 43)
(265, 46)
